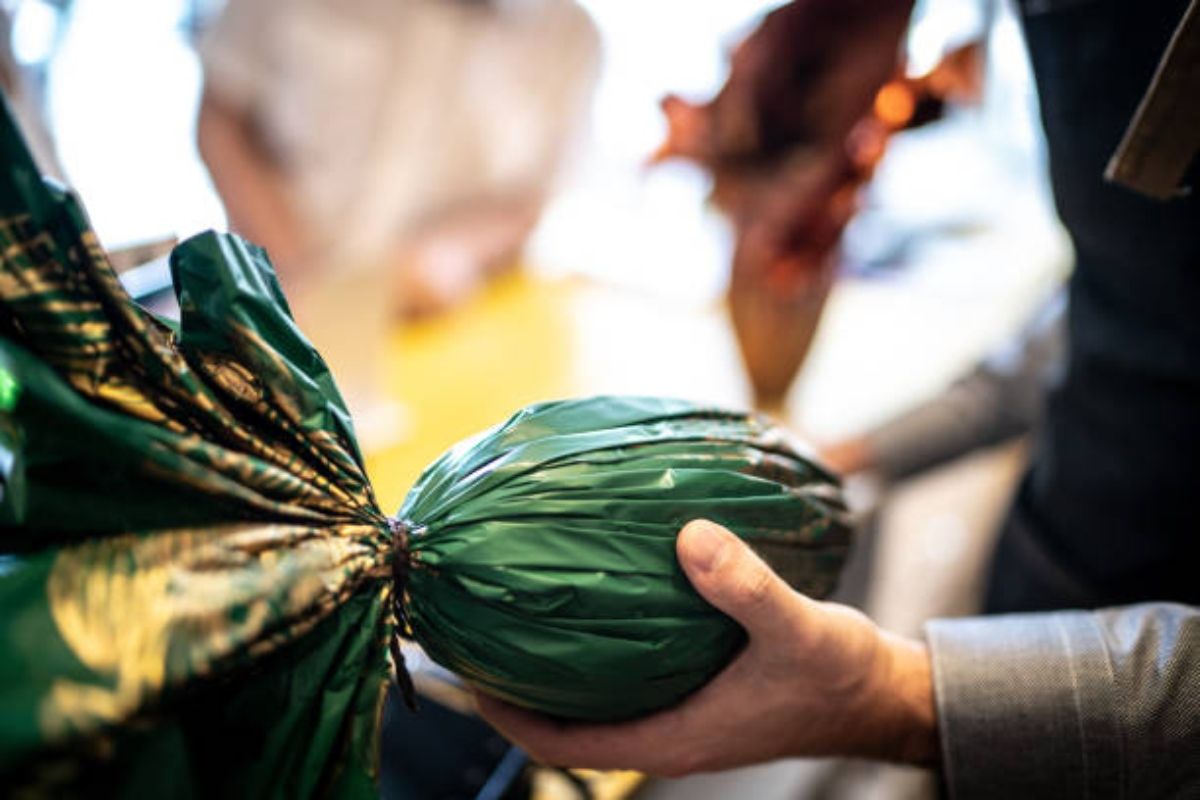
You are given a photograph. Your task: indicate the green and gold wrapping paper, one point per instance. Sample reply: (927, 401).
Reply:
(199, 589)
(196, 577)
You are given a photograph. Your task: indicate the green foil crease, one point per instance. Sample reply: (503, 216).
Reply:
(199, 589)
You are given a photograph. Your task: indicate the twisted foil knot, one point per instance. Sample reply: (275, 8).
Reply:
(400, 566)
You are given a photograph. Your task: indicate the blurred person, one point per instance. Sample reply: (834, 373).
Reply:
(1105, 513)
(1051, 704)
(419, 137)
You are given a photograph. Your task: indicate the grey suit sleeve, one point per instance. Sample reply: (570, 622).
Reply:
(1070, 704)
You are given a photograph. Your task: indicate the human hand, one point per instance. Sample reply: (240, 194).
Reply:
(847, 456)
(804, 76)
(814, 679)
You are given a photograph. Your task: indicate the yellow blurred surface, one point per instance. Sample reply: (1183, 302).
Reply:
(527, 339)
(457, 374)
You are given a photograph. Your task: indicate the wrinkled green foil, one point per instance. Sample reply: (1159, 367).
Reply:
(198, 586)
(543, 552)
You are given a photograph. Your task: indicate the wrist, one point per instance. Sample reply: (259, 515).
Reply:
(878, 691)
(910, 711)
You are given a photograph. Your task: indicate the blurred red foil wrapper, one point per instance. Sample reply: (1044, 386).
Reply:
(789, 206)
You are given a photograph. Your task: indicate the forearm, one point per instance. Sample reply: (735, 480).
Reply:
(1069, 704)
(1061, 704)
(962, 418)
(968, 415)
(1000, 399)
(250, 186)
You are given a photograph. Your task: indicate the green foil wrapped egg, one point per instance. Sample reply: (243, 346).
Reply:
(542, 561)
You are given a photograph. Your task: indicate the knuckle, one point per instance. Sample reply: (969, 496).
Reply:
(754, 589)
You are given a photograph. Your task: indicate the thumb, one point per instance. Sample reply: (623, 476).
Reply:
(728, 574)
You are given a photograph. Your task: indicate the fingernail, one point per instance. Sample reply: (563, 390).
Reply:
(702, 544)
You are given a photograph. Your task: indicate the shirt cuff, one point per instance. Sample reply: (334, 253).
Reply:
(1025, 706)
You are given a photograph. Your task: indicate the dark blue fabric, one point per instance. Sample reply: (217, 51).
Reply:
(1110, 509)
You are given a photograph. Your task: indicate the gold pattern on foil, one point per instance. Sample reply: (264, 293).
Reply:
(233, 377)
(148, 613)
(121, 357)
(145, 614)
(119, 394)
